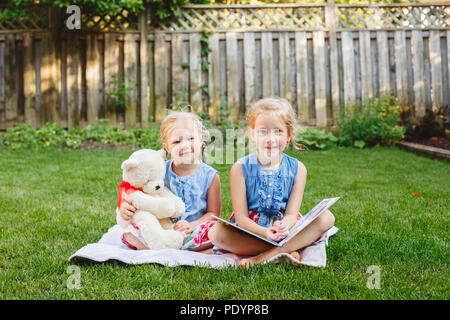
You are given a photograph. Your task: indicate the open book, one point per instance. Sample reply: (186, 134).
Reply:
(301, 224)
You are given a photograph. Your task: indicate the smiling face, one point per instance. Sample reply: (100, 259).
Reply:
(184, 142)
(270, 136)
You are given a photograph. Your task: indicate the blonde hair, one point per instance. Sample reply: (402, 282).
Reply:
(279, 107)
(168, 125)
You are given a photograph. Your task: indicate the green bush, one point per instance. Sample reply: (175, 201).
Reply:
(54, 136)
(315, 139)
(373, 123)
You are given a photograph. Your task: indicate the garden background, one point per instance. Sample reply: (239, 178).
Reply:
(366, 74)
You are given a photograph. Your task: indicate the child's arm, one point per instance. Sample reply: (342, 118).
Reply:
(213, 207)
(239, 201)
(295, 198)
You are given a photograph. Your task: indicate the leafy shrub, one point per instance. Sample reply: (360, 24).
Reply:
(375, 122)
(315, 139)
(54, 136)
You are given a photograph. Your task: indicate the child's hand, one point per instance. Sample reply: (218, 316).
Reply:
(184, 226)
(281, 227)
(126, 210)
(273, 234)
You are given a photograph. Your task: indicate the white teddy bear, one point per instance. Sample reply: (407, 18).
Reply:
(143, 186)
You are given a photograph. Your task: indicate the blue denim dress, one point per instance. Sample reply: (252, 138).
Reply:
(192, 189)
(268, 190)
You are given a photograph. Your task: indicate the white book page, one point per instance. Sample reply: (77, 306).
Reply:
(304, 221)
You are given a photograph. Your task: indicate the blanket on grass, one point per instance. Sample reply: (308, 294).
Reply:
(110, 247)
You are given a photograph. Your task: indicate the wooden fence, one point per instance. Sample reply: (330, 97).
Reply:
(321, 57)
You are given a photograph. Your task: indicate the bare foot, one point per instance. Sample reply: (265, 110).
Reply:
(295, 255)
(249, 262)
(134, 241)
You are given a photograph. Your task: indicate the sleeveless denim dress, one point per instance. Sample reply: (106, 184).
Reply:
(267, 190)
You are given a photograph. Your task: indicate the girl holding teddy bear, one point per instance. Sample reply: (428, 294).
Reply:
(266, 187)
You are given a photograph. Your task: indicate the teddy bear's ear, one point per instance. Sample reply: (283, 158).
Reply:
(163, 153)
(129, 164)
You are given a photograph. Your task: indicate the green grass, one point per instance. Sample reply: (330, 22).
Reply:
(54, 202)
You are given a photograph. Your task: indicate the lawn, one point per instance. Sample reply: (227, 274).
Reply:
(54, 202)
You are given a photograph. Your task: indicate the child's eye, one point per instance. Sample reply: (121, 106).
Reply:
(176, 142)
(262, 132)
(278, 131)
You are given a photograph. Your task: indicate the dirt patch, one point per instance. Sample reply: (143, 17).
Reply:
(95, 145)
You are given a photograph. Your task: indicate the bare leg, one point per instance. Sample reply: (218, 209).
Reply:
(134, 241)
(303, 239)
(204, 248)
(230, 239)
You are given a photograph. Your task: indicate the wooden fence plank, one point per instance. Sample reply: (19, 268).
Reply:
(11, 85)
(419, 83)
(111, 68)
(232, 74)
(144, 61)
(2, 86)
(160, 77)
(195, 71)
(29, 85)
(436, 71)
(383, 63)
(49, 85)
(249, 69)
(214, 79)
(267, 64)
(93, 78)
(401, 75)
(348, 62)
(151, 80)
(448, 66)
(331, 17)
(284, 55)
(177, 70)
(73, 83)
(365, 60)
(302, 76)
(130, 78)
(319, 79)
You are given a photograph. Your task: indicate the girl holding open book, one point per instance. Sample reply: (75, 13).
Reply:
(267, 190)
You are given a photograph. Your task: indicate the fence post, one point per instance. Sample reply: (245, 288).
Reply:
(331, 21)
(143, 51)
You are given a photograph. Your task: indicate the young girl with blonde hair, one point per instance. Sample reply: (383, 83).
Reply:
(267, 190)
(188, 177)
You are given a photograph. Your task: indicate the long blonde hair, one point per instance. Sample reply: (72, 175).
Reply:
(168, 125)
(279, 107)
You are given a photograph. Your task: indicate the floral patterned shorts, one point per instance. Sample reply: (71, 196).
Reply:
(198, 237)
(254, 215)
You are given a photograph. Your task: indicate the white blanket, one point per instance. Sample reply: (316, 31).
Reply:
(110, 247)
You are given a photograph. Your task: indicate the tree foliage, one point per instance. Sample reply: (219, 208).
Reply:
(160, 9)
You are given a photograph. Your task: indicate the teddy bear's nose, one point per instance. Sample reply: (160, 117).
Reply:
(157, 187)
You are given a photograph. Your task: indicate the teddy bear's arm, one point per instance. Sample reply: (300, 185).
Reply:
(179, 204)
(161, 207)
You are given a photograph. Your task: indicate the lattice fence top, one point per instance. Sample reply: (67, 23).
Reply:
(37, 18)
(405, 16)
(275, 17)
(121, 20)
(286, 17)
